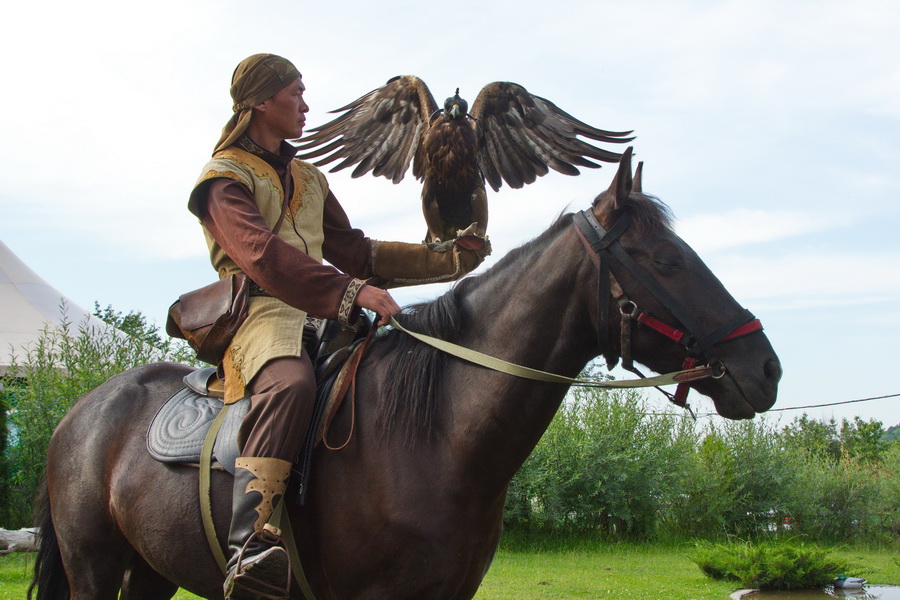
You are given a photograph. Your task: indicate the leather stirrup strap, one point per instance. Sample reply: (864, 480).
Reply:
(209, 526)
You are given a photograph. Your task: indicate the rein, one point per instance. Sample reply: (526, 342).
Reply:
(699, 347)
(502, 366)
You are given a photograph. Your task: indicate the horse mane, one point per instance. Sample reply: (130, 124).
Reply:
(411, 390)
(412, 384)
(649, 214)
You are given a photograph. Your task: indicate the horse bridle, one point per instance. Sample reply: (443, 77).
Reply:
(699, 346)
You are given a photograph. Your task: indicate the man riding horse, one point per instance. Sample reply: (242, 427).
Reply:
(273, 217)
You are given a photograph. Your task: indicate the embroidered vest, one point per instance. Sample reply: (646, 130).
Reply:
(273, 329)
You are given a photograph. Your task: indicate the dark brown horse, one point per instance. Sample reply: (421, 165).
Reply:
(413, 507)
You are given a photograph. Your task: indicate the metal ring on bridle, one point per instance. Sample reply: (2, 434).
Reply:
(633, 313)
(719, 370)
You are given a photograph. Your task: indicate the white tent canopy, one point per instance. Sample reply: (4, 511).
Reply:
(27, 305)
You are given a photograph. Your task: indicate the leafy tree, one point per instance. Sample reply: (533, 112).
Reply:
(856, 439)
(846, 492)
(703, 507)
(734, 485)
(810, 435)
(862, 440)
(135, 325)
(892, 434)
(888, 494)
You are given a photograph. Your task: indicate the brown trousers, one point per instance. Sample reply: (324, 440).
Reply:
(282, 395)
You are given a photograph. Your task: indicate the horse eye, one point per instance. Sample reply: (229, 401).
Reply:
(668, 259)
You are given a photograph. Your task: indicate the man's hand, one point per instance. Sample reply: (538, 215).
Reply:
(378, 301)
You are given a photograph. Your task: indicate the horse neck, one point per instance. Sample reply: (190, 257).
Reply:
(533, 311)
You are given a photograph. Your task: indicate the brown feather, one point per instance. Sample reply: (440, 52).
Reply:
(514, 137)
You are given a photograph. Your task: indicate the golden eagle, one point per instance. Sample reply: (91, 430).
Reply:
(511, 135)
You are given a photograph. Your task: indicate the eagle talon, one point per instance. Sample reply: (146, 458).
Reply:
(438, 246)
(471, 230)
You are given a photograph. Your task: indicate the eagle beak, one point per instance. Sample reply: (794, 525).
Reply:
(454, 112)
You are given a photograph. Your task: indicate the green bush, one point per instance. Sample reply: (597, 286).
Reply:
(604, 465)
(66, 362)
(607, 467)
(783, 565)
(4, 461)
(845, 500)
(888, 495)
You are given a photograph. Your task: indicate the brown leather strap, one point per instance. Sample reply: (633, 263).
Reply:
(349, 382)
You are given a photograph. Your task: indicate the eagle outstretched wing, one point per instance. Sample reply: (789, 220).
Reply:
(380, 132)
(520, 135)
(511, 135)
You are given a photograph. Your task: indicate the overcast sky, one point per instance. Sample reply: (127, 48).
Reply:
(771, 129)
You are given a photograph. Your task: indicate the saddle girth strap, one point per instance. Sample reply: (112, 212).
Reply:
(209, 527)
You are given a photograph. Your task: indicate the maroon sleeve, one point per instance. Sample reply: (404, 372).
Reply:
(234, 221)
(345, 247)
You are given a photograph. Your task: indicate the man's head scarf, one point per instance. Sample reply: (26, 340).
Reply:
(255, 80)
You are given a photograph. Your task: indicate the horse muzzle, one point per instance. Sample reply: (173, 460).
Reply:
(749, 384)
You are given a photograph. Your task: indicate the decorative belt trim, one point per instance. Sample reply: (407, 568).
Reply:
(345, 312)
(255, 290)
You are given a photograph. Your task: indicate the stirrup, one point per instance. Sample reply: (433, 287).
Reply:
(250, 586)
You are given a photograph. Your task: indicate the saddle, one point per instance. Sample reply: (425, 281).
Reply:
(179, 429)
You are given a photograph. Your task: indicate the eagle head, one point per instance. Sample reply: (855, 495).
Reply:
(455, 107)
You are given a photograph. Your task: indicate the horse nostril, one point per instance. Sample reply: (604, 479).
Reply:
(772, 369)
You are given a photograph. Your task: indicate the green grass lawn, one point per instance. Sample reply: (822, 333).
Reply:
(573, 571)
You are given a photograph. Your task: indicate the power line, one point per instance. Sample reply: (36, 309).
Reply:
(712, 414)
(833, 403)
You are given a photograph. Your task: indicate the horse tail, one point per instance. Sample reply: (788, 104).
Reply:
(49, 579)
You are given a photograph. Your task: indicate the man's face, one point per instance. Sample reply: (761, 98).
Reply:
(284, 114)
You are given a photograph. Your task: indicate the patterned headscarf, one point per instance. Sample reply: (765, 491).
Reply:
(255, 80)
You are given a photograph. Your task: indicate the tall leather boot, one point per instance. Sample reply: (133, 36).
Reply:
(258, 568)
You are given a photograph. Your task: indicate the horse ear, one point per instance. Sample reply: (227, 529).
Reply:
(619, 190)
(623, 183)
(637, 187)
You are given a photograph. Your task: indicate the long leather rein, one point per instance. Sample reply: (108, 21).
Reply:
(502, 366)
